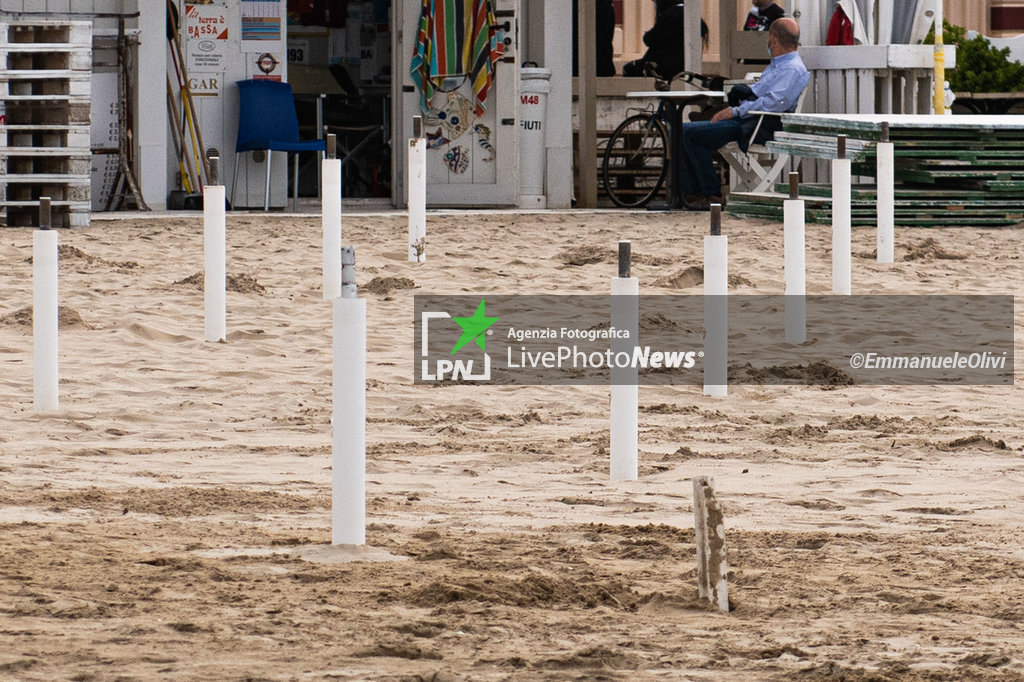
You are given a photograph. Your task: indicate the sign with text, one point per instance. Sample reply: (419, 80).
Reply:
(206, 37)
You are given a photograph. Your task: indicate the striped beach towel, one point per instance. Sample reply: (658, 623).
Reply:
(456, 41)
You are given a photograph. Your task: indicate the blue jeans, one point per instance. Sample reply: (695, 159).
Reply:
(699, 139)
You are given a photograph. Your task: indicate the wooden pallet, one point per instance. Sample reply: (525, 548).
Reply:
(965, 170)
(913, 208)
(44, 143)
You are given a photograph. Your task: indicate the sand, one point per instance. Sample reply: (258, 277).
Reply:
(173, 519)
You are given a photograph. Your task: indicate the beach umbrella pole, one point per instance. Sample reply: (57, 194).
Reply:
(417, 193)
(44, 313)
(330, 220)
(841, 220)
(624, 380)
(886, 188)
(716, 308)
(794, 263)
(214, 251)
(348, 480)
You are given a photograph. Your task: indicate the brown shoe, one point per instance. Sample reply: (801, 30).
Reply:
(702, 203)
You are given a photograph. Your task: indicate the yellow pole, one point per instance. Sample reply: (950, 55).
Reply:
(939, 97)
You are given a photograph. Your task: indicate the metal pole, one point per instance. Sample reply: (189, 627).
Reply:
(841, 220)
(794, 263)
(716, 308)
(330, 220)
(625, 399)
(417, 176)
(885, 175)
(215, 255)
(45, 328)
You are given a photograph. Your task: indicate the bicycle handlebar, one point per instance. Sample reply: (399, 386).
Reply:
(710, 82)
(707, 82)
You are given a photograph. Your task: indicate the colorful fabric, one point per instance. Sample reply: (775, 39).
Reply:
(456, 41)
(840, 29)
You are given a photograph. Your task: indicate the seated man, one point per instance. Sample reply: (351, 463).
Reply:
(778, 90)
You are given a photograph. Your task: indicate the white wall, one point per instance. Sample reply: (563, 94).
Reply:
(152, 156)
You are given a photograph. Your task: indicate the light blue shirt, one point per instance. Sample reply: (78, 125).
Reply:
(779, 87)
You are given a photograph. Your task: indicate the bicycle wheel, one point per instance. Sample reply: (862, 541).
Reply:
(636, 161)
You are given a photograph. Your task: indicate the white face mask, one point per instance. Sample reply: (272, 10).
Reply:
(755, 10)
(768, 49)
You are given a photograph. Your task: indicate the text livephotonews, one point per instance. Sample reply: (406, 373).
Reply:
(850, 340)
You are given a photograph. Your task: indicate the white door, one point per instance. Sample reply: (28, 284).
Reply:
(472, 160)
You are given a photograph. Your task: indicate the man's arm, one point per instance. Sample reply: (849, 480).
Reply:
(776, 91)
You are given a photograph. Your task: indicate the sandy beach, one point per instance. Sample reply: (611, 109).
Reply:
(173, 519)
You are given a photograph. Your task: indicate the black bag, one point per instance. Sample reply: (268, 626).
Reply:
(740, 93)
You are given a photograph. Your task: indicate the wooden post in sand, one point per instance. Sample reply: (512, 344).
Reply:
(794, 263)
(709, 531)
(841, 220)
(330, 220)
(348, 479)
(417, 189)
(214, 249)
(45, 326)
(716, 308)
(625, 314)
(885, 183)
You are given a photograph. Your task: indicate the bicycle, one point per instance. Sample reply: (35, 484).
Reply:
(637, 156)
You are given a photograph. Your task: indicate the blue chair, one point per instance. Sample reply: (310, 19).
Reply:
(267, 121)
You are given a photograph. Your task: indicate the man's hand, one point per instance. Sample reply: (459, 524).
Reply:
(723, 115)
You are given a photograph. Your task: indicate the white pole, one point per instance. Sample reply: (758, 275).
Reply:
(716, 308)
(330, 220)
(44, 313)
(841, 221)
(886, 188)
(794, 265)
(417, 193)
(625, 314)
(348, 480)
(214, 249)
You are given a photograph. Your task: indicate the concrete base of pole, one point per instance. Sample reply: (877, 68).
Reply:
(348, 509)
(709, 529)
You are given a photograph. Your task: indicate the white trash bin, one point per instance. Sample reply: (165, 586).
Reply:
(534, 87)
